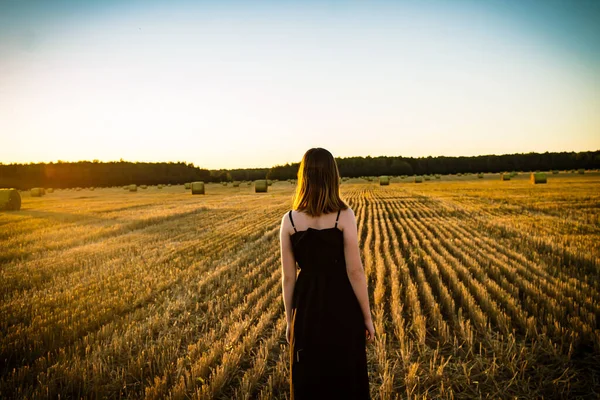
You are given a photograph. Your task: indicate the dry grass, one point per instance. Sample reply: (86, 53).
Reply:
(478, 290)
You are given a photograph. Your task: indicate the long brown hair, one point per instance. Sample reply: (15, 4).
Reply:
(318, 189)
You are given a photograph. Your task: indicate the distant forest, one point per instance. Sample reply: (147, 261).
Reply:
(119, 173)
(384, 165)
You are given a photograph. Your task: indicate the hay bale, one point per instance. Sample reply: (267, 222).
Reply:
(384, 180)
(10, 200)
(538, 177)
(236, 183)
(224, 183)
(480, 176)
(555, 172)
(269, 183)
(36, 192)
(581, 171)
(249, 184)
(260, 186)
(133, 188)
(427, 177)
(197, 187)
(187, 185)
(505, 177)
(159, 186)
(418, 179)
(92, 189)
(50, 190)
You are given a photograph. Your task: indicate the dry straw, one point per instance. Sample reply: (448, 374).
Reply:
(197, 187)
(260, 186)
(10, 200)
(538, 177)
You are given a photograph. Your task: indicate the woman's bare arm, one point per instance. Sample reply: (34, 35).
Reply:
(354, 267)
(288, 266)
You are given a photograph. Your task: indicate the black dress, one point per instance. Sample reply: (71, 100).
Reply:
(327, 352)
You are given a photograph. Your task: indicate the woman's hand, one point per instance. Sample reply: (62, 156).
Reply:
(288, 333)
(370, 330)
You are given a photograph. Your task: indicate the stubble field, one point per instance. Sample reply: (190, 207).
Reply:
(479, 288)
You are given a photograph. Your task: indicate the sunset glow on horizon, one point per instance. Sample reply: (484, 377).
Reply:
(242, 85)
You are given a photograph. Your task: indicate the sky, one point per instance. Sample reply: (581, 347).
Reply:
(256, 83)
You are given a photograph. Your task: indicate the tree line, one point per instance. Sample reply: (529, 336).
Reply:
(119, 173)
(353, 167)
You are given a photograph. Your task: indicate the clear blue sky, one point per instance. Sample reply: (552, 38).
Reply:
(252, 84)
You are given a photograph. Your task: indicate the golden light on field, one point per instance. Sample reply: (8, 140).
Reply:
(476, 284)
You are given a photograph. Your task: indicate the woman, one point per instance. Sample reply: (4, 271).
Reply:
(326, 305)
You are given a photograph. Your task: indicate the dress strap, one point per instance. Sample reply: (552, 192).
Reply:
(338, 217)
(292, 221)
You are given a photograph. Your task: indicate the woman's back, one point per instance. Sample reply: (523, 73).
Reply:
(318, 248)
(326, 302)
(328, 341)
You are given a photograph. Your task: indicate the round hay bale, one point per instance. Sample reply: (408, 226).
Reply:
(505, 177)
(249, 183)
(260, 186)
(92, 189)
(36, 192)
(169, 185)
(187, 185)
(418, 179)
(427, 177)
(50, 190)
(538, 177)
(224, 183)
(133, 188)
(236, 183)
(480, 176)
(10, 200)
(269, 182)
(159, 186)
(197, 187)
(555, 172)
(384, 180)
(581, 171)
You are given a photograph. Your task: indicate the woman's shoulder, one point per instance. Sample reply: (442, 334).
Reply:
(346, 211)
